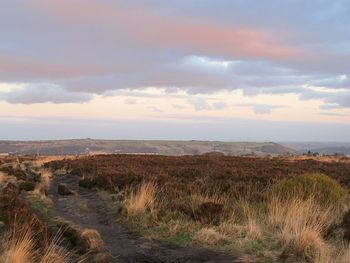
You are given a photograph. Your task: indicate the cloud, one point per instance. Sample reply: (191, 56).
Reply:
(101, 47)
(155, 109)
(329, 113)
(130, 101)
(219, 105)
(41, 93)
(333, 99)
(200, 104)
(178, 107)
(261, 108)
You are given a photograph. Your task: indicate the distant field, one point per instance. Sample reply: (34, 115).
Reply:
(75, 147)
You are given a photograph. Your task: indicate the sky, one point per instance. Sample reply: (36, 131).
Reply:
(226, 70)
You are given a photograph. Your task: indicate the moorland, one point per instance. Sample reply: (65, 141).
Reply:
(154, 208)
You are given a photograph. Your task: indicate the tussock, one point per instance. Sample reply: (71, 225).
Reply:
(18, 245)
(92, 239)
(141, 199)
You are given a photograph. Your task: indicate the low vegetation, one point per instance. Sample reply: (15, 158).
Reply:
(261, 209)
(264, 210)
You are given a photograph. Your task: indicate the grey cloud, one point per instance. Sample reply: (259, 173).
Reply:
(332, 100)
(219, 105)
(156, 109)
(178, 107)
(200, 104)
(130, 101)
(89, 52)
(41, 93)
(261, 108)
(329, 113)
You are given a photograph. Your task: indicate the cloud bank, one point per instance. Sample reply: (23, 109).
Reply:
(68, 51)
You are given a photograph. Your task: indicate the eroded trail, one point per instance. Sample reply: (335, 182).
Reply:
(122, 244)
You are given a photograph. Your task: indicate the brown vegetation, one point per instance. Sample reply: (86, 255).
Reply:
(267, 208)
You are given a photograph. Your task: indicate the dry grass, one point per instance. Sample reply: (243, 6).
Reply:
(344, 256)
(309, 246)
(141, 200)
(300, 225)
(208, 236)
(55, 253)
(46, 177)
(298, 215)
(4, 179)
(18, 245)
(250, 219)
(45, 159)
(92, 239)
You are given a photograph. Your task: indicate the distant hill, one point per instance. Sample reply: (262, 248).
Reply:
(320, 147)
(84, 146)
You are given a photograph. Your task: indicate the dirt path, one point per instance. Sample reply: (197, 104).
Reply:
(122, 244)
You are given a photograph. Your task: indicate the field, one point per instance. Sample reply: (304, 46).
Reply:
(204, 208)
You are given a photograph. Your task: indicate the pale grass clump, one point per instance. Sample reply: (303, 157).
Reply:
(252, 220)
(141, 200)
(54, 252)
(46, 177)
(304, 214)
(344, 256)
(300, 225)
(231, 229)
(208, 236)
(92, 239)
(4, 179)
(310, 246)
(18, 246)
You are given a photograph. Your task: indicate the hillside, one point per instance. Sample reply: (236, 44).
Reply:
(320, 147)
(82, 146)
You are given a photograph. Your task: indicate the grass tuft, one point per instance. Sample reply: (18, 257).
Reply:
(141, 200)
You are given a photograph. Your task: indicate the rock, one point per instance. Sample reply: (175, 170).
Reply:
(64, 190)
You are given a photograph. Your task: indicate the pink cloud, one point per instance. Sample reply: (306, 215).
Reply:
(141, 27)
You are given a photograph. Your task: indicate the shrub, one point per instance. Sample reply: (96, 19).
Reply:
(323, 188)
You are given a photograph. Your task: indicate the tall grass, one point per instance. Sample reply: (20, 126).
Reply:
(19, 245)
(141, 199)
